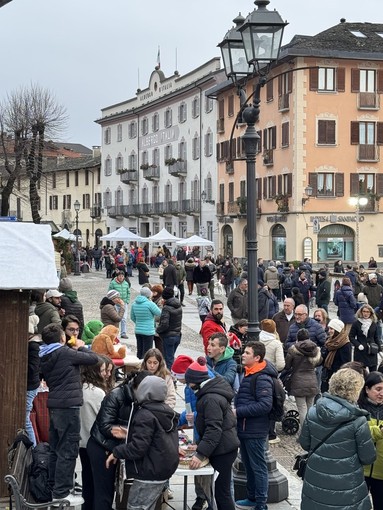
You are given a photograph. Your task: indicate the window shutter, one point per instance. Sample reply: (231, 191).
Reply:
(354, 184)
(322, 131)
(355, 80)
(341, 79)
(354, 133)
(264, 187)
(260, 141)
(210, 144)
(273, 137)
(379, 185)
(285, 134)
(289, 83)
(259, 189)
(270, 90)
(264, 139)
(217, 149)
(379, 82)
(221, 109)
(279, 187)
(339, 185)
(313, 181)
(273, 186)
(314, 79)
(279, 86)
(331, 132)
(379, 133)
(289, 185)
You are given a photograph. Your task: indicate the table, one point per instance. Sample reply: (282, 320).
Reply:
(204, 471)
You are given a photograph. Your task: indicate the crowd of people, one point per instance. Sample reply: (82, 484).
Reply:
(229, 390)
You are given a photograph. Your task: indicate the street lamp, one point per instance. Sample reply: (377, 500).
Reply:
(309, 194)
(357, 202)
(76, 206)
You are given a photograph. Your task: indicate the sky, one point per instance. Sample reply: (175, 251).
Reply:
(94, 53)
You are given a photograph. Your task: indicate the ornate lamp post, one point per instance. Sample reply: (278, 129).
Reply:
(248, 51)
(76, 206)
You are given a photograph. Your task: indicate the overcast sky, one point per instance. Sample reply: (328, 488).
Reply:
(94, 53)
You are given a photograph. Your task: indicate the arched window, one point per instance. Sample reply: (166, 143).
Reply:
(278, 242)
(335, 242)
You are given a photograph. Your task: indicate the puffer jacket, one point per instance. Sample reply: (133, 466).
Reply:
(170, 323)
(115, 410)
(375, 421)
(122, 287)
(189, 268)
(142, 313)
(215, 421)
(271, 277)
(274, 349)
(72, 306)
(109, 315)
(47, 314)
(302, 358)
(225, 366)
(345, 300)
(334, 476)
(237, 303)
(316, 332)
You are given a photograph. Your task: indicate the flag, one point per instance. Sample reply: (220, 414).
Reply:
(158, 59)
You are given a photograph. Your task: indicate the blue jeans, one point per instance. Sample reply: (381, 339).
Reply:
(253, 458)
(124, 320)
(64, 437)
(170, 344)
(144, 343)
(31, 394)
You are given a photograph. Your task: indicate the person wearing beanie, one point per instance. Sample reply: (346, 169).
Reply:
(216, 426)
(47, 309)
(302, 359)
(323, 293)
(361, 300)
(337, 351)
(70, 302)
(33, 376)
(263, 301)
(110, 314)
(122, 285)
(170, 325)
(143, 313)
(373, 290)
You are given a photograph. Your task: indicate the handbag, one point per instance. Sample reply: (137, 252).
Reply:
(372, 348)
(302, 459)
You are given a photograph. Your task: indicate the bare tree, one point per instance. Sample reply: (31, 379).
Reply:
(28, 116)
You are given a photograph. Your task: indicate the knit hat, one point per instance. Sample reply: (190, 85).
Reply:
(180, 365)
(113, 294)
(53, 293)
(323, 274)
(33, 321)
(65, 285)
(268, 325)
(197, 372)
(303, 334)
(336, 324)
(372, 276)
(362, 298)
(146, 292)
(91, 329)
(167, 293)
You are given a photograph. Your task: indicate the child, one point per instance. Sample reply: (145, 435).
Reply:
(203, 303)
(154, 363)
(297, 296)
(60, 366)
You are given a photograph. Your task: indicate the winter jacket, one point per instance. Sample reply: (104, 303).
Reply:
(211, 325)
(373, 291)
(375, 421)
(215, 421)
(227, 273)
(142, 313)
(323, 293)
(274, 349)
(122, 287)
(169, 276)
(47, 314)
(189, 268)
(344, 299)
(305, 288)
(237, 303)
(153, 432)
(201, 274)
(316, 332)
(263, 304)
(302, 358)
(181, 273)
(93, 397)
(60, 366)
(283, 324)
(357, 338)
(225, 366)
(143, 273)
(253, 408)
(273, 304)
(271, 277)
(33, 377)
(109, 314)
(170, 323)
(334, 473)
(72, 306)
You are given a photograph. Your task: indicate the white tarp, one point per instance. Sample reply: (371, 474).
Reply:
(163, 236)
(65, 234)
(195, 241)
(121, 234)
(34, 266)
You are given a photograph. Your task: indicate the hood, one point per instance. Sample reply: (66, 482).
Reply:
(48, 349)
(266, 337)
(106, 301)
(151, 389)
(141, 299)
(332, 409)
(43, 307)
(272, 269)
(72, 295)
(306, 348)
(228, 354)
(219, 386)
(173, 303)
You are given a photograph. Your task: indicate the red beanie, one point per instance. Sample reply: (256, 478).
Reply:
(180, 365)
(197, 371)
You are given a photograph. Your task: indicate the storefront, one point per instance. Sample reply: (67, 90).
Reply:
(336, 242)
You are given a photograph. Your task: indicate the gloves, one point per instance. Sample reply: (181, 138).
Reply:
(361, 347)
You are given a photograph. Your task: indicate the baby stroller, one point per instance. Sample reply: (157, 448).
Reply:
(290, 420)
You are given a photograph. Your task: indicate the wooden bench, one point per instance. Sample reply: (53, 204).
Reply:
(18, 483)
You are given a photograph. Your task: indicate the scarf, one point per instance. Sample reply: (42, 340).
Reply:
(332, 345)
(366, 323)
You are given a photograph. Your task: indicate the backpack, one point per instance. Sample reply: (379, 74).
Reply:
(38, 474)
(279, 396)
(288, 282)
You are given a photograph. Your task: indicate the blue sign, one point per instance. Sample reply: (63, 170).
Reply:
(8, 218)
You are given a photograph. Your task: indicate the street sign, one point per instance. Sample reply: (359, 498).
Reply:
(316, 225)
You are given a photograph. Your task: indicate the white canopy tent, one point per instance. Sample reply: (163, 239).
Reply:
(195, 241)
(65, 234)
(121, 234)
(162, 236)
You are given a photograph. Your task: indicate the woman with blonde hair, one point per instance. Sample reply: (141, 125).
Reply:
(364, 336)
(338, 428)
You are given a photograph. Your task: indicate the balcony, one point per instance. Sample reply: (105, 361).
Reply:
(283, 102)
(129, 177)
(116, 211)
(232, 209)
(178, 169)
(191, 207)
(368, 101)
(95, 211)
(172, 208)
(229, 167)
(268, 157)
(152, 173)
(368, 152)
(221, 209)
(220, 125)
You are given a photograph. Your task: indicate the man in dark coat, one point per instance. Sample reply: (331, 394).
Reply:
(263, 301)
(373, 290)
(201, 276)
(284, 319)
(305, 287)
(237, 301)
(170, 325)
(303, 321)
(70, 302)
(323, 292)
(170, 275)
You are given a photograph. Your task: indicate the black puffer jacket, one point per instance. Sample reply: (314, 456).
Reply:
(170, 323)
(72, 306)
(215, 421)
(115, 410)
(33, 379)
(61, 369)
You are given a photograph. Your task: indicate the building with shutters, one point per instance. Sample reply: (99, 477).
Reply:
(321, 125)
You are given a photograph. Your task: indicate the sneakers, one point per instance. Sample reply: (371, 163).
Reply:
(245, 503)
(199, 504)
(74, 500)
(274, 440)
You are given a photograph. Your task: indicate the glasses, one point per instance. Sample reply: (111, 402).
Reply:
(73, 330)
(299, 314)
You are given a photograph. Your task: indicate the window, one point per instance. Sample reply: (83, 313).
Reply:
(285, 134)
(108, 166)
(269, 187)
(67, 179)
(327, 79)
(107, 198)
(208, 104)
(208, 144)
(285, 184)
(365, 184)
(67, 202)
(195, 107)
(168, 118)
(144, 158)
(155, 122)
(168, 152)
(231, 191)
(182, 113)
(76, 177)
(132, 129)
(326, 132)
(54, 181)
(367, 135)
(107, 136)
(98, 175)
(285, 84)
(270, 90)
(97, 199)
(119, 133)
(86, 177)
(221, 116)
(132, 161)
(208, 188)
(230, 106)
(86, 201)
(144, 126)
(368, 83)
(156, 157)
(195, 147)
(182, 150)
(269, 144)
(53, 202)
(119, 163)
(327, 184)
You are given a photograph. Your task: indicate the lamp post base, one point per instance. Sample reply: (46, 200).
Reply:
(77, 268)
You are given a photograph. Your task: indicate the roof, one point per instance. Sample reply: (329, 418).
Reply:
(76, 164)
(75, 147)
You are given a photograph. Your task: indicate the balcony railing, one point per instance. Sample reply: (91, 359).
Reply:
(178, 169)
(268, 157)
(220, 208)
(232, 208)
(115, 211)
(368, 152)
(95, 211)
(152, 174)
(368, 100)
(283, 102)
(129, 177)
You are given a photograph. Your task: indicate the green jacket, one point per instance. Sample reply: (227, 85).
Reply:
(123, 288)
(375, 421)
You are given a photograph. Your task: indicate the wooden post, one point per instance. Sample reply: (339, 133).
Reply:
(14, 312)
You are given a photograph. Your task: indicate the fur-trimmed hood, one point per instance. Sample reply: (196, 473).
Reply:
(307, 348)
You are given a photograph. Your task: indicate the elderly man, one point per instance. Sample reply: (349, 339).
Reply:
(284, 319)
(303, 321)
(237, 301)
